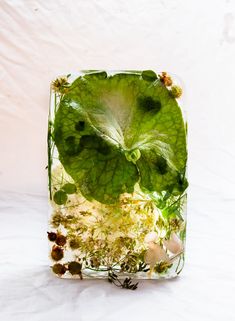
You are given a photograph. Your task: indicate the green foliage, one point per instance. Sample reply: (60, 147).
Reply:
(112, 132)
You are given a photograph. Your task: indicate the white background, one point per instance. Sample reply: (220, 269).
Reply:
(40, 40)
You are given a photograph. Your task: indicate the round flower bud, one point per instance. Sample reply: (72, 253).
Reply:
(57, 253)
(60, 240)
(59, 269)
(176, 91)
(74, 268)
(51, 236)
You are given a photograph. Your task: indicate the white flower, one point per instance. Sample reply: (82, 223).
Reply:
(155, 254)
(174, 244)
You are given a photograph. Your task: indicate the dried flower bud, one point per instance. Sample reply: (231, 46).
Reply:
(59, 269)
(176, 91)
(57, 253)
(165, 79)
(75, 268)
(51, 236)
(60, 240)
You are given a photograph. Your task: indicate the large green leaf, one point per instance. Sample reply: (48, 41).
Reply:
(114, 131)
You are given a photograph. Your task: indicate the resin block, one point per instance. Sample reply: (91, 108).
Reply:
(117, 159)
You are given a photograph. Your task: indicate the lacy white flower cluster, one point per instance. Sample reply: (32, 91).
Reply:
(108, 234)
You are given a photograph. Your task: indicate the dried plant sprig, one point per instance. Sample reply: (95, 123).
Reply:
(125, 284)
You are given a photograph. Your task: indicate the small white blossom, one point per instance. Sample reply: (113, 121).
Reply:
(174, 244)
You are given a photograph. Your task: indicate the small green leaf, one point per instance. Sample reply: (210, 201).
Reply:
(69, 188)
(60, 197)
(149, 75)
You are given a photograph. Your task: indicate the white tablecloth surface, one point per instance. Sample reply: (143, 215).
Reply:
(42, 39)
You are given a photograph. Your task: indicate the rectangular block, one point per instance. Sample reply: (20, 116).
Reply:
(117, 157)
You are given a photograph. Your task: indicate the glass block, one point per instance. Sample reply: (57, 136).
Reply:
(117, 157)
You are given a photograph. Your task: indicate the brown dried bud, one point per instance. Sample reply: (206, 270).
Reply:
(60, 240)
(57, 253)
(165, 79)
(51, 236)
(59, 269)
(75, 268)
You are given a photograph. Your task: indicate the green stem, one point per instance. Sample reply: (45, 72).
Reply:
(49, 157)
(101, 270)
(97, 270)
(178, 264)
(178, 199)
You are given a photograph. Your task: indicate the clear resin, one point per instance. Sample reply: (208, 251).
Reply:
(117, 159)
